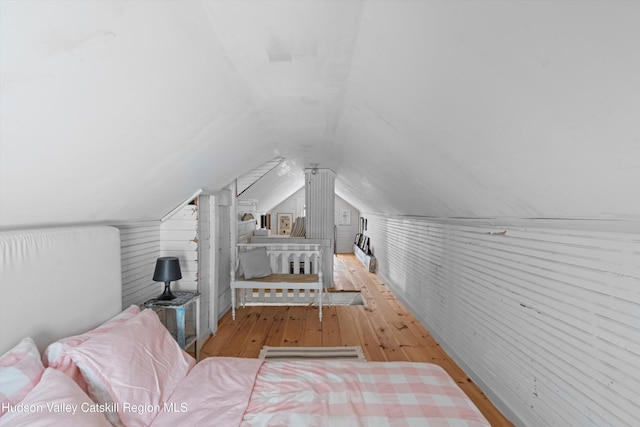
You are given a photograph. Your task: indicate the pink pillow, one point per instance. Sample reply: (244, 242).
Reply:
(55, 399)
(55, 355)
(137, 363)
(20, 371)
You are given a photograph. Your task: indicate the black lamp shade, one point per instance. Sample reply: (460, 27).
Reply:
(167, 270)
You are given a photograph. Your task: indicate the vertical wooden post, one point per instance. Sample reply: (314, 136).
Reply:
(320, 221)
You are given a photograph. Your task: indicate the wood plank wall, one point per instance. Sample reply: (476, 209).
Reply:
(205, 281)
(140, 247)
(223, 253)
(545, 319)
(179, 237)
(320, 204)
(320, 201)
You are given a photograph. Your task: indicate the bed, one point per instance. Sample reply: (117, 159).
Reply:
(277, 273)
(128, 370)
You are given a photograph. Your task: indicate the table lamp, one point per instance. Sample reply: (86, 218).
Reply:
(167, 270)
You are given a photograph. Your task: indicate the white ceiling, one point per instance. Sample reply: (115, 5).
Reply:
(118, 111)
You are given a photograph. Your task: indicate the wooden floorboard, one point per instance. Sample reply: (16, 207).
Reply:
(384, 328)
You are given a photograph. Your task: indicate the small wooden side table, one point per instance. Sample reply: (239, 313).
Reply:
(179, 305)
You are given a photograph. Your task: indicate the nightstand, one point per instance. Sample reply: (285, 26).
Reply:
(179, 306)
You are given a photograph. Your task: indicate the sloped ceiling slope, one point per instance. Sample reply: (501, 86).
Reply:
(245, 181)
(118, 111)
(485, 109)
(275, 186)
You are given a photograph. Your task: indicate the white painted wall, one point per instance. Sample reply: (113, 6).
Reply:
(288, 206)
(179, 238)
(543, 315)
(139, 250)
(320, 197)
(245, 228)
(142, 243)
(206, 245)
(345, 234)
(320, 201)
(224, 257)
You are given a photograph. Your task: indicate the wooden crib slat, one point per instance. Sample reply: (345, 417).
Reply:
(306, 264)
(282, 287)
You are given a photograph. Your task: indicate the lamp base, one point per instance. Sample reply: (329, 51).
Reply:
(167, 295)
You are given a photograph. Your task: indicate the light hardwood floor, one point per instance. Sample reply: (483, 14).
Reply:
(384, 329)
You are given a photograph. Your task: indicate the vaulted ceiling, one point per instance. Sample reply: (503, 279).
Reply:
(117, 111)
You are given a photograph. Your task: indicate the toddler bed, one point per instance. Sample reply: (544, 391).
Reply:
(287, 273)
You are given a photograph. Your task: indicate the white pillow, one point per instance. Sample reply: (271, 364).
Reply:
(20, 371)
(135, 363)
(52, 402)
(255, 263)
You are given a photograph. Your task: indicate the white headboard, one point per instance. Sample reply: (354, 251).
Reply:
(57, 282)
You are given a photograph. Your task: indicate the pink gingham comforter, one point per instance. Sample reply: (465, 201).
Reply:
(341, 393)
(229, 392)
